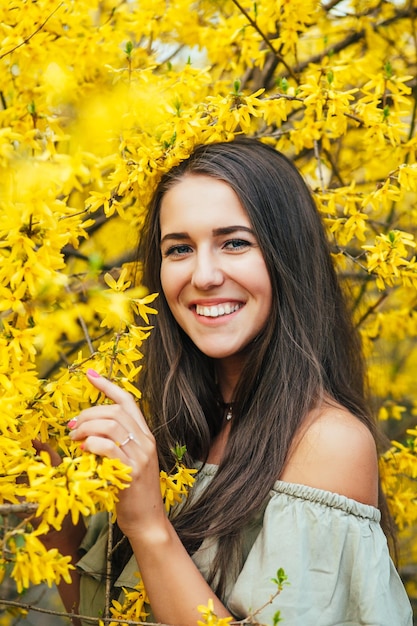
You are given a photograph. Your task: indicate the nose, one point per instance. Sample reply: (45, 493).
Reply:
(207, 271)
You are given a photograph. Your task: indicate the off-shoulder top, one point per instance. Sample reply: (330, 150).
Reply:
(332, 549)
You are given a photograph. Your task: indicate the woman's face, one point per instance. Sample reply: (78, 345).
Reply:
(213, 273)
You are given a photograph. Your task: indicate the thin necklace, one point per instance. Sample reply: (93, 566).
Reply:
(228, 408)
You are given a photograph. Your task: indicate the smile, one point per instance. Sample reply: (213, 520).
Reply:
(217, 310)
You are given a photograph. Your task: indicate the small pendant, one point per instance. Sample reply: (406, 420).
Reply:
(229, 413)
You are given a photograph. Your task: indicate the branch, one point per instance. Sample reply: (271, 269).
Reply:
(264, 38)
(25, 41)
(84, 329)
(104, 620)
(65, 358)
(250, 619)
(107, 620)
(330, 5)
(16, 509)
(85, 618)
(372, 308)
(335, 169)
(319, 164)
(350, 39)
(109, 567)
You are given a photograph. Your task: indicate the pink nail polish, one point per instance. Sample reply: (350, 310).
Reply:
(93, 373)
(72, 423)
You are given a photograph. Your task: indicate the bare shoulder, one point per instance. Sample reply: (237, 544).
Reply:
(335, 452)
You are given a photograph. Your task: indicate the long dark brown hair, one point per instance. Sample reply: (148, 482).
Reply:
(308, 350)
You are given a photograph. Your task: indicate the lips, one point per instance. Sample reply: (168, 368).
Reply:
(217, 310)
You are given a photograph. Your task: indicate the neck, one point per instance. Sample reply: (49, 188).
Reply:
(228, 373)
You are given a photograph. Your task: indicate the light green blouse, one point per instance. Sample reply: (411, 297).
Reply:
(332, 549)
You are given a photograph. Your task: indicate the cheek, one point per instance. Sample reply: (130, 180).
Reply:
(258, 281)
(171, 283)
(165, 282)
(262, 289)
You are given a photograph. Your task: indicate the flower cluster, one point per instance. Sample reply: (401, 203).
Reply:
(398, 467)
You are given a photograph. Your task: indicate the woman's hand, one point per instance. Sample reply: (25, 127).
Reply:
(119, 431)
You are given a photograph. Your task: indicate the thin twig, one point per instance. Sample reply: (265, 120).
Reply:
(256, 27)
(84, 328)
(351, 39)
(114, 355)
(84, 618)
(86, 335)
(285, 96)
(109, 566)
(319, 164)
(330, 5)
(250, 619)
(264, 38)
(104, 620)
(16, 509)
(25, 41)
(372, 308)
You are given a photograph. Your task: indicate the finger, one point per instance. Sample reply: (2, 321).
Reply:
(106, 428)
(105, 412)
(117, 433)
(112, 391)
(130, 453)
(102, 446)
(119, 396)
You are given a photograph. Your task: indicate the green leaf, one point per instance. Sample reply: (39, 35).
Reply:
(236, 88)
(179, 452)
(19, 541)
(388, 70)
(280, 579)
(277, 618)
(284, 84)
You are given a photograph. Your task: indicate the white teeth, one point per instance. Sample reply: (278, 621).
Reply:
(216, 310)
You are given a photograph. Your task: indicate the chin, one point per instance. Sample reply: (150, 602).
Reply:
(222, 353)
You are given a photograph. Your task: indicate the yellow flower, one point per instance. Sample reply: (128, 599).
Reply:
(141, 308)
(209, 617)
(120, 284)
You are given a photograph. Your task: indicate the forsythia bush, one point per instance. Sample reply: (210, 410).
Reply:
(97, 99)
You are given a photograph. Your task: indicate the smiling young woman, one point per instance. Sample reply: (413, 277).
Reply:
(213, 274)
(252, 325)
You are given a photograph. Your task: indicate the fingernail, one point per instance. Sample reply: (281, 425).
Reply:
(82, 446)
(72, 423)
(93, 373)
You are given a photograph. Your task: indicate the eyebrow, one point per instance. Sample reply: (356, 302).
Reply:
(217, 232)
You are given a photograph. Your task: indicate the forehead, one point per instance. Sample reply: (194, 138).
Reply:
(198, 200)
